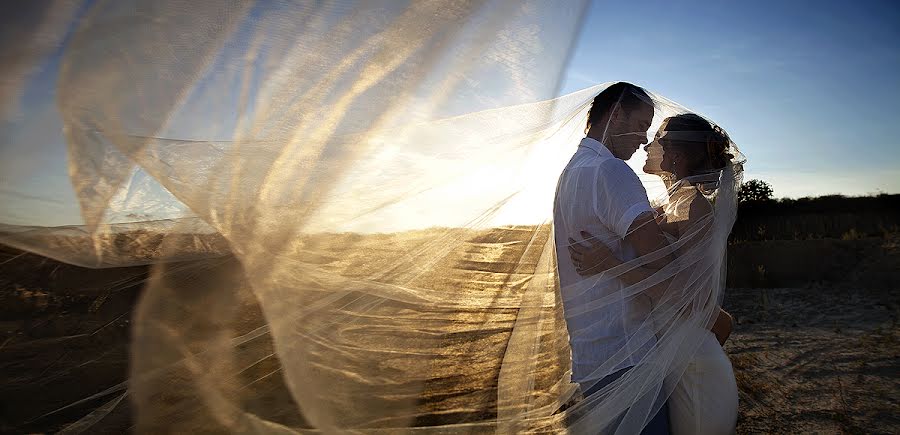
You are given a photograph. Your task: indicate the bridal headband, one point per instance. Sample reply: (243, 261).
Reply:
(689, 136)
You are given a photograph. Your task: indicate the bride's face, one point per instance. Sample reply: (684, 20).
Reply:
(654, 149)
(681, 159)
(667, 158)
(655, 153)
(670, 157)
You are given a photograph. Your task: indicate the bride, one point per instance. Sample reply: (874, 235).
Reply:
(689, 154)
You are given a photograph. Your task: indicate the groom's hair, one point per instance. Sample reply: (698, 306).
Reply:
(632, 96)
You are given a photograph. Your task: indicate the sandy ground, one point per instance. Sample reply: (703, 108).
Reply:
(816, 359)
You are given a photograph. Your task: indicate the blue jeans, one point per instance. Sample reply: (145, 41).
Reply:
(658, 425)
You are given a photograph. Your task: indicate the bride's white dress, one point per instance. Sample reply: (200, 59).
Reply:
(705, 399)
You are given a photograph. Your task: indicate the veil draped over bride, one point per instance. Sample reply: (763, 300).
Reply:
(346, 206)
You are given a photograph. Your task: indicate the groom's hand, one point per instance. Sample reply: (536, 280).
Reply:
(592, 257)
(660, 214)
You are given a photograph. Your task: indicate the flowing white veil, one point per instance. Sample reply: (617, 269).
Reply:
(362, 192)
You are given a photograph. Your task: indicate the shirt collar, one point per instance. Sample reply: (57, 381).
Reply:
(596, 146)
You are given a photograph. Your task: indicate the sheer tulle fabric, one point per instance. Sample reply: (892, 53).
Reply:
(377, 177)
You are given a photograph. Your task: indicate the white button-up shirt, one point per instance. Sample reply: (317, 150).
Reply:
(600, 194)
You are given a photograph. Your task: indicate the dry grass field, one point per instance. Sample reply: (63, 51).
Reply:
(822, 357)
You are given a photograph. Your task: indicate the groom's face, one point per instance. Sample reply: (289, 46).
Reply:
(631, 131)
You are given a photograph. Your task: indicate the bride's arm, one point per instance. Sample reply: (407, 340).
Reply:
(723, 326)
(596, 258)
(701, 211)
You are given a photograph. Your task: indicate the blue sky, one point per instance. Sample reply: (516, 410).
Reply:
(809, 90)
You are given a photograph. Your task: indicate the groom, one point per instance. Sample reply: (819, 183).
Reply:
(599, 196)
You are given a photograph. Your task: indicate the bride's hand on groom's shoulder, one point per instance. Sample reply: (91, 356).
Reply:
(590, 256)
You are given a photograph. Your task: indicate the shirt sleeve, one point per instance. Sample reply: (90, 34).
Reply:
(620, 196)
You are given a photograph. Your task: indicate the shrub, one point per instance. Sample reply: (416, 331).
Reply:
(755, 191)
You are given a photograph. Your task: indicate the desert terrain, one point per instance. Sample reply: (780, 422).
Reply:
(821, 357)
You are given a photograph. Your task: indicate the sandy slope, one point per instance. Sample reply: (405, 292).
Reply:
(816, 359)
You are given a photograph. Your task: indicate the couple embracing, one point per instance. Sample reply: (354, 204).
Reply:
(641, 284)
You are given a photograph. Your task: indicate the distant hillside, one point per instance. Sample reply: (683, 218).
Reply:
(852, 241)
(825, 217)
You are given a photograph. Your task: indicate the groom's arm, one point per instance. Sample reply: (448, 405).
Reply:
(621, 204)
(646, 237)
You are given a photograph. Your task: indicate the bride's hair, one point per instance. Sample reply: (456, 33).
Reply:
(714, 151)
(632, 96)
